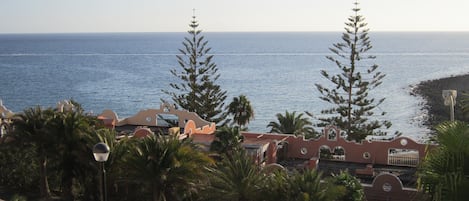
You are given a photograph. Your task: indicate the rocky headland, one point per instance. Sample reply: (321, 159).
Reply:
(431, 91)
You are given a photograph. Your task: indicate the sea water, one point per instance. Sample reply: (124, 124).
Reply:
(126, 72)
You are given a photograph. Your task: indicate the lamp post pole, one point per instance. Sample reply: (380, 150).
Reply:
(451, 109)
(449, 97)
(101, 154)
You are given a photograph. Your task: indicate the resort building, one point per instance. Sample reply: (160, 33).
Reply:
(165, 120)
(386, 168)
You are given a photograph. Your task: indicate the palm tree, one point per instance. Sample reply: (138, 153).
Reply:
(444, 173)
(276, 186)
(307, 186)
(235, 178)
(291, 124)
(113, 166)
(74, 132)
(241, 109)
(33, 126)
(171, 169)
(227, 140)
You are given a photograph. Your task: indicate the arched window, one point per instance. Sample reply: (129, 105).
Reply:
(339, 153)
(332, 135)
(343, 134)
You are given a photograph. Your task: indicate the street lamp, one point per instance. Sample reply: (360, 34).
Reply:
(101, 153)
(450, 100)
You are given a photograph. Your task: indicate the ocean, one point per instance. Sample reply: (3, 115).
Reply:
(125, 72)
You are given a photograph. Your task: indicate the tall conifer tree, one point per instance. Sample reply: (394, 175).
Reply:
(353, 109)
(198, 92)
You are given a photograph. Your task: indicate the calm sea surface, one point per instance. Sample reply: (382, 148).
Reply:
(126, 72)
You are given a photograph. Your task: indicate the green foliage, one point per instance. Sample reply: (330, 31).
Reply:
(464, 104)
(19, 167)
(307, 186)
(353, 189)
(444, 173)
(198, 92)
(61, 142)
(74, 131)
(236, 177)
(290, 123)
(152, 168)
(241, 110)
(165, 167)
(33, 127)
(228, 139)
(276, 186)
(353, 110)
(17, 197)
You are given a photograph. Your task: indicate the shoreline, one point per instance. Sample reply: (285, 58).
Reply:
(431, 92)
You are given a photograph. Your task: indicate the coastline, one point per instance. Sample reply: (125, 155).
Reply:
(431, 92)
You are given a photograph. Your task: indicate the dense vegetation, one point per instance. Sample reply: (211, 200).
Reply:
(444, 174)
(52, 149)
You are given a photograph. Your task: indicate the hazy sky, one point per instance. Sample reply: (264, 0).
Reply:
(57, 16)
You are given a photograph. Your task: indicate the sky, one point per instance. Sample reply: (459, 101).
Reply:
(72, 16)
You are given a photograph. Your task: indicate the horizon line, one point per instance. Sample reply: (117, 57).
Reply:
(336, 31)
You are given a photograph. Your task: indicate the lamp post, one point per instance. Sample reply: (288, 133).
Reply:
(101, 153)
(449, 97)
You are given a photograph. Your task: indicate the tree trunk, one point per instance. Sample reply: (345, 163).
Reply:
(67, 191)
(156, 193)
(67, 186)
(44, 184)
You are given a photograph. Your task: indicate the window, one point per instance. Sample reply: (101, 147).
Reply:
(339, 153)
(366, 155)
(343, 134)
(167, 120)
(332, 135)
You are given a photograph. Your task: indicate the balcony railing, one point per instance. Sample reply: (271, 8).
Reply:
(411, 161)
